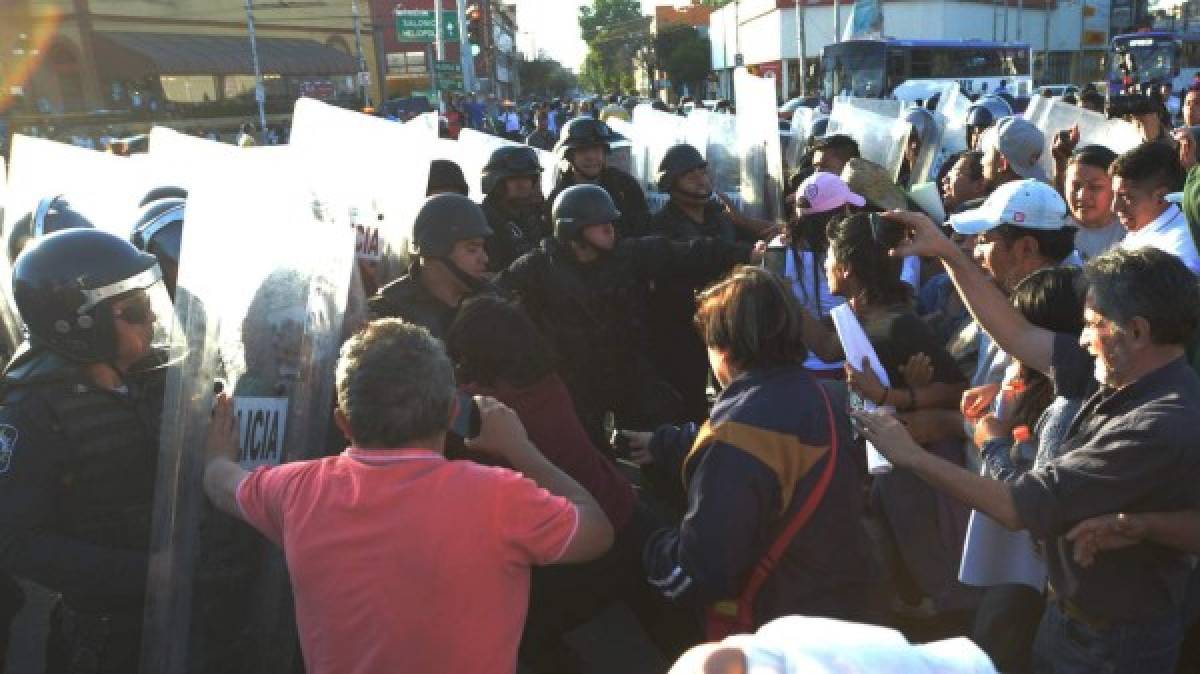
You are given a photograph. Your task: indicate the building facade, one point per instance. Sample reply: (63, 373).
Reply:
(146, 57)
(766, 35)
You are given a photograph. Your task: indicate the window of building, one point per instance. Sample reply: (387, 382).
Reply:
(191, 88)
(406, 63)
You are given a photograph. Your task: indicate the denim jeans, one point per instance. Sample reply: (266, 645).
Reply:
(1067, 646)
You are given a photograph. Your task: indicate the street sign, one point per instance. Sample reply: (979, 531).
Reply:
(419, 25)
(449, 75)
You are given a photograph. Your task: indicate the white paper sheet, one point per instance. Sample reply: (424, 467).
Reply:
(993, 555)
(856, 346)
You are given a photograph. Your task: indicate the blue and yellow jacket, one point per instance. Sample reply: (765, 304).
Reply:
(747, 470)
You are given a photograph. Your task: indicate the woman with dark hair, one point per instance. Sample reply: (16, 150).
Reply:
(925, 530)
(498, 352)
(773, 525)
(821, 198)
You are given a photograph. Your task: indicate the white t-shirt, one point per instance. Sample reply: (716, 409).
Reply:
(1169, 232)
(810, 286)
(1090, 242)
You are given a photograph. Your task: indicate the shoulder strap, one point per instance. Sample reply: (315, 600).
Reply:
(764, 568)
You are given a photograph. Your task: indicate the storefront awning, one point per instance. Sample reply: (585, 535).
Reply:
(140, 54)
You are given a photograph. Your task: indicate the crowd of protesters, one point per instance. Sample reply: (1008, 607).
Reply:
(805, 432)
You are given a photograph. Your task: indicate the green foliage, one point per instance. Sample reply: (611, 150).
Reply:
(683, 53)
(616, 32)
(546, 77)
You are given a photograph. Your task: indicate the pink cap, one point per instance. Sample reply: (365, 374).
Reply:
(825, 192)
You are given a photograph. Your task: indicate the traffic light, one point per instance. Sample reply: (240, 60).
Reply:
(474, 28)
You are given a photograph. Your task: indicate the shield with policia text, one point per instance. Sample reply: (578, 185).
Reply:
(262, 289)
(757, 124)
(374, 181)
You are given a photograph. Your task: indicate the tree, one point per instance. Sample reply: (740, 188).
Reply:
(545, 76)
(615, 32)
(683, 53)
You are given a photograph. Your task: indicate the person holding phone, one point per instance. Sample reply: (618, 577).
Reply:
(394, 551)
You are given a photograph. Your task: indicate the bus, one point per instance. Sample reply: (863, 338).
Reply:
(892, 68)
(1153, 58)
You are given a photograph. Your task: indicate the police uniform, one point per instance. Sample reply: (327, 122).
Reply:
(514, 232)
(407, 299)
(77, 471)
(595, 314)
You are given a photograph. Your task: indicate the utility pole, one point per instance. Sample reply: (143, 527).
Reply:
(837, 21)
(439, 53)
(260, 93)
(362, 60)
(801, 47)
(464, 50)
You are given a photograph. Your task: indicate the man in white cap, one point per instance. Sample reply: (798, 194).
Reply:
(1011, 150)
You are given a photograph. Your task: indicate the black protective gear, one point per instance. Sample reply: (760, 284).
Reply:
(159, 230)
(626, 193)
(52, 214)
(509, 161)
(446, 176)
(517, 229)
(446, 219)
(582, 132)
(578, 207)
(676, 161)
(64, 284)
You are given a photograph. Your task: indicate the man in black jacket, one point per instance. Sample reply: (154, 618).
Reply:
(514, 205)
(584, 144)
(586, 289)
(449, 234)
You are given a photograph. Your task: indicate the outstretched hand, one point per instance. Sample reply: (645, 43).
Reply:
(889, 436)
(1104, 532)
(925, 237)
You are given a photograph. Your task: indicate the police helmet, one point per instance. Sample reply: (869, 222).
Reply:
(922, 121)
(676, 161)
(580, 206)
(509, 161)
(582, 132)
(446, 176)
(64, 284)
(446, 219)
(987, 111)
(159, 230)
(52, 214)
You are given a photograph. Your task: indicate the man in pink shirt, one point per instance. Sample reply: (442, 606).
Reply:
(400, 560)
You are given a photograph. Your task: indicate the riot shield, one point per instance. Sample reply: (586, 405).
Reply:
(757, 124)
(801, 134)
(656, 132)
(375, 181)
(952, 108)
(884, 107)
(923, 144)
(473, 149)
(880, 139)
(1094, 129)
(635, 148)
(105, 187)
(262, 288)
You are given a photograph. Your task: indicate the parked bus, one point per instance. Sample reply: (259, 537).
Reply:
(906, 69)
(1153, 58)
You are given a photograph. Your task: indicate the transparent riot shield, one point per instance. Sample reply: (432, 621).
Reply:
(657, 131)
(1094, 129)
(473, 149)
(757, 123)
(375, 181)
(104, 187)
(1036, 110)
(801, 133)
(262, 289)
(922, 149)
(880, 139)
(952, 108)
(635, 147)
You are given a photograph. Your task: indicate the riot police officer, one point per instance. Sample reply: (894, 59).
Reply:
(51, 214)
(159, 230)
(514, 205)
(79, 411)
(586, 289)
(445, 176)
(982, 114)
(449, 236)
(584, 145)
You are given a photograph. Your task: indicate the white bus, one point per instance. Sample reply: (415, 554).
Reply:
(904, 69)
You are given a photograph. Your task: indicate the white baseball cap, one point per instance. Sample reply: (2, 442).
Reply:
(1030, 204)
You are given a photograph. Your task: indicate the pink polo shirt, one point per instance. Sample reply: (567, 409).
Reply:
(402, 561)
